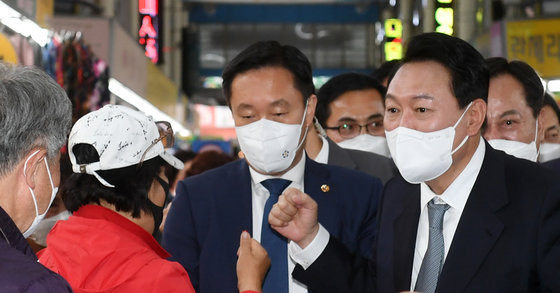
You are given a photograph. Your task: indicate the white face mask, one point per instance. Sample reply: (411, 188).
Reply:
(45, 226)
(423, 156)
(549, 152)
(269, 146)
(367, 143)
(54, 189)
(518, 149)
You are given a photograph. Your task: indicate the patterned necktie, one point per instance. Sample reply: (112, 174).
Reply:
(433, 259)
(275, 244)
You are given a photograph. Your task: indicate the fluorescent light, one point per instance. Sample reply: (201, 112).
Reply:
(554, 85)
(143, 105)
(22, 25)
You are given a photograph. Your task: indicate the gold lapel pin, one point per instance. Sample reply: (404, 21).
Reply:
(325, 188)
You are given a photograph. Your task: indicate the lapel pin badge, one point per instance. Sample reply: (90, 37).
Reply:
(325, 188)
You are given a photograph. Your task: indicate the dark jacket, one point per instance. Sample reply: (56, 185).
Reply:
(19, 269)
(506, 240)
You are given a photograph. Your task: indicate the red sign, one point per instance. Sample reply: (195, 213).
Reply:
(148, 33)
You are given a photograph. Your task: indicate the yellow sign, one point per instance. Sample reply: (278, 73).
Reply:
(393, 28)
(7, 52)
(444, 19)
(393, 51)
(536, 42)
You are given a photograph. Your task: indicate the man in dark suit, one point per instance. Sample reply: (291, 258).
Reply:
(270, 91)
(462, 217)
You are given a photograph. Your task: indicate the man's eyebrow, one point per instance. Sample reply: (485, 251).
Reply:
(509, 112)
(376, 115)
(419, 96)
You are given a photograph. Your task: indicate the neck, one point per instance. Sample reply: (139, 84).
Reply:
(16, 199)
(146, 221)
(461, 159)
(313, 143)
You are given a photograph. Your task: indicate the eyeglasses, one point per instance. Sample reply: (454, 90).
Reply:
(165, 136)
(350, 130)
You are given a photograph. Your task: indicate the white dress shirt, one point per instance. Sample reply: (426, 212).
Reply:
(259, 196)
(455, 196)
(323, 155)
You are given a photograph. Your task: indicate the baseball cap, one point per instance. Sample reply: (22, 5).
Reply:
(122, 137)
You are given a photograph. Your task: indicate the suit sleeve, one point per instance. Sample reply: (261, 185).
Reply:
(549, 241)
(338, 270)
(179, 235)
(368, 227)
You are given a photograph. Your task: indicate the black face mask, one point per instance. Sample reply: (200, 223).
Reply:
(156, 210)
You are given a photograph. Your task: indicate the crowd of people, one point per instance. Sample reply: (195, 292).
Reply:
(439, 172)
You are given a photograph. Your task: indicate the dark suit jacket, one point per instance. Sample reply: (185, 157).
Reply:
(508, 238)
(553, 165)
(370, 163)
(210, 210)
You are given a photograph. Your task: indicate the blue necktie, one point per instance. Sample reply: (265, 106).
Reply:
(274, 243)
(433, 259)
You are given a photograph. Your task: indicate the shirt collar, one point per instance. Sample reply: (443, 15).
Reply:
(323, 155)
(295, 174)
(457, 193)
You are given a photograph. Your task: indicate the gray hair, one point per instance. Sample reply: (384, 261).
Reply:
(34, 112)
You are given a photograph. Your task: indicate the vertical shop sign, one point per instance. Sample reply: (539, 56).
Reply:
(393, 39)
(444, 16)
(149, 29)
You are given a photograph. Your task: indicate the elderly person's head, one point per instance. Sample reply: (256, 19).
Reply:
(118, 157)
(35, 118)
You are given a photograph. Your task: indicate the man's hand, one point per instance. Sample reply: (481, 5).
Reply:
(295, 217)
(252, 264)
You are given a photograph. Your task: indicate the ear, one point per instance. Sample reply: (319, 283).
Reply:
(311, 104)
(30, 165)
(476, 116)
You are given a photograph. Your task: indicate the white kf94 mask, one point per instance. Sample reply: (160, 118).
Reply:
(423, 156)
(270, 146)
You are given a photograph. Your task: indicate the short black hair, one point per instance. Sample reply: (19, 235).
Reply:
(270, 54)
(386, 70)
(132, 184)
(550, 101)
(469, 75)
(525, 74)
(340, 84)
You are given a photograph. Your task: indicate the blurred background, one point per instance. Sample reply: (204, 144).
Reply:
(165, 57)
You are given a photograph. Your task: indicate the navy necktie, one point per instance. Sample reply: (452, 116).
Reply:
(274, 243)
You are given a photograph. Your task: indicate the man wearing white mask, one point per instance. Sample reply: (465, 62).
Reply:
(462, 218)
(35, 118)
(549, 152)
(270, 91)
(515, 100)
(353, 102)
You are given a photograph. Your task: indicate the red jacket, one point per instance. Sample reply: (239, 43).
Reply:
(98, 250)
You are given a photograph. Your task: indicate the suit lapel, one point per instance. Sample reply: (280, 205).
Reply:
(315, 176)
(478, 228)
(404, 235)
(235, 205)
(339, 157)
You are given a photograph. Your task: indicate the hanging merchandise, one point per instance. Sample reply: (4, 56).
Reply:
(70, 61)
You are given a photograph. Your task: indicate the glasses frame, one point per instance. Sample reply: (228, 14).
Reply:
(338, 128)
(165, 136)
